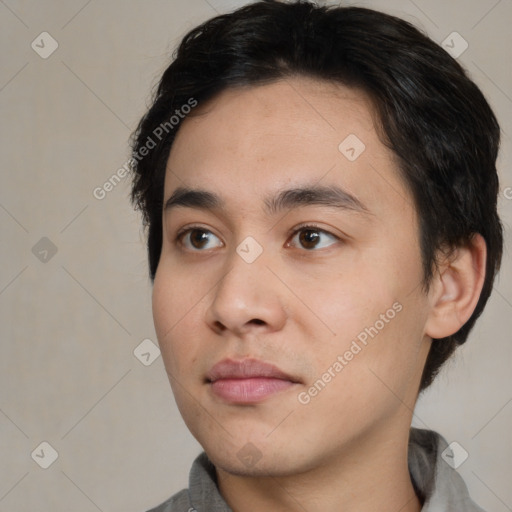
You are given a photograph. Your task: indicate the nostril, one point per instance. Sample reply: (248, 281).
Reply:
(219, 326)
(257, 321)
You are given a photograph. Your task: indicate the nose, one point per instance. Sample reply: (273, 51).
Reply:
(248, 298)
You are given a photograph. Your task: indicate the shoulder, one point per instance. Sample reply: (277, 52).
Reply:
(179, 502)
(202, 494)
(434, 476)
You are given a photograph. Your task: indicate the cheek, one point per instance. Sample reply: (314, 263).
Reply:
(366, 377)
(376, 303)
(175, 307)
(343, 304)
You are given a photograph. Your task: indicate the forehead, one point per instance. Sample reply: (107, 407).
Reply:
(249, 142)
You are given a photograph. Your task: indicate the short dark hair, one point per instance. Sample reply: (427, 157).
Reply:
(429, 113)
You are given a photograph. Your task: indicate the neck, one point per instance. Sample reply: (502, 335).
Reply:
(372, 475)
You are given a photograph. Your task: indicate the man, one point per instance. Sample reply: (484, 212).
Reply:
(319, 188)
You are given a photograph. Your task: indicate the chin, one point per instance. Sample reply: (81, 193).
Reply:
(262, 465)
(254, 456)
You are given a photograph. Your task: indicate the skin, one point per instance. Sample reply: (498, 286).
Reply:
(299, 305)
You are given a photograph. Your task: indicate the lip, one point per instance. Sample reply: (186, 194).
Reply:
(247, 381)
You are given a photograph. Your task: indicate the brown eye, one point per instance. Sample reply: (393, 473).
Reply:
(196, 238)
(311, 237)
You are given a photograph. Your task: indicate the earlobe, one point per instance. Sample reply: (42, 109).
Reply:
(456, 288)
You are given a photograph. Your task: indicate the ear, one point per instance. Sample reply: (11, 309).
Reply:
(456, 288)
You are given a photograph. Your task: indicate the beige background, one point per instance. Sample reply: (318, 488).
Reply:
(70, 321)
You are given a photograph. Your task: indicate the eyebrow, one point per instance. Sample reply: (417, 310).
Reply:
(331, 196)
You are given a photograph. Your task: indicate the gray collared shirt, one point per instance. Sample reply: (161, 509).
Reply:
(439, 486)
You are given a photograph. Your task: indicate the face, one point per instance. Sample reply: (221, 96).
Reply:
(287, 301)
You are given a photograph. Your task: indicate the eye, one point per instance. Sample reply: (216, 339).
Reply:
(196, 238)
(310, 237)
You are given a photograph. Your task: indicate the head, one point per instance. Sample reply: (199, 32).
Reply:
(288, 96)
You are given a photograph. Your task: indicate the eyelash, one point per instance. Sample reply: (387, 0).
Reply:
(301, 227)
